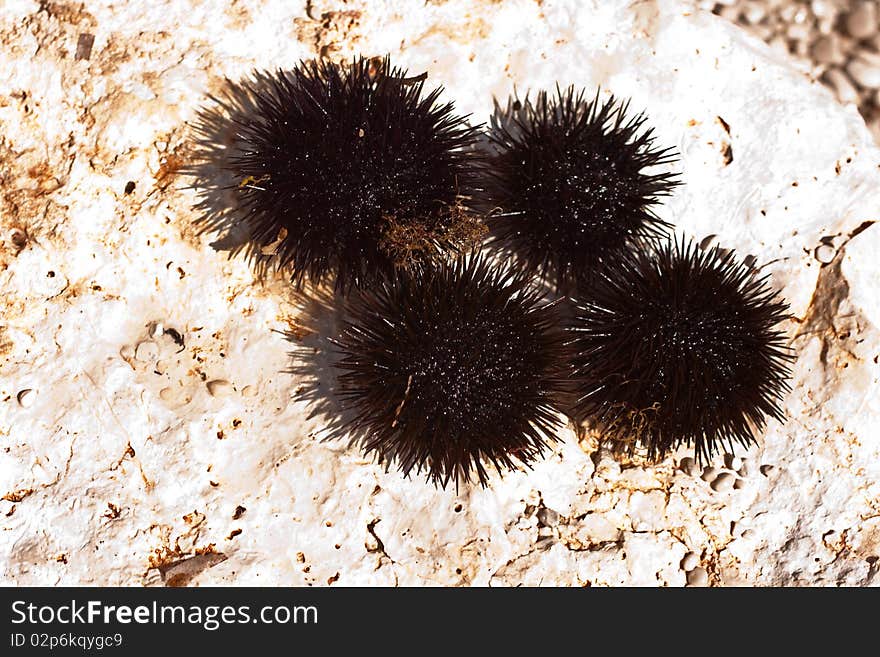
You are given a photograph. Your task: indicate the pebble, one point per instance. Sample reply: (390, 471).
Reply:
(26, 398)
(779, 44)
(826, 50)
(709, 473)
(826, 25)
(745, 470)
(166, 394)
(249, 391)
(844, 89)
(127, 352)
(547, 517)
(690, 561)
(161, 366)
(798, 32)
(146, 351)
(698, 577)
(688, 466)
(766, 470)
(219, 387)
(861, 22)
(823, 8)
(755, 12)
(730, 13)
(723, 482)
(802, 48)
(732, 462)
(739, 484)
(156, 330)
(800, 15)
(864, 72)
(871, 57)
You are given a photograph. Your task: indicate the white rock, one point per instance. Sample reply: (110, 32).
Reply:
(304, 496)
(595, 528)
(861, 268)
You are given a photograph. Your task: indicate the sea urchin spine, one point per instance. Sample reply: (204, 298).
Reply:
(447, 368)
(567, 185)
(678, 346)
(340, 171)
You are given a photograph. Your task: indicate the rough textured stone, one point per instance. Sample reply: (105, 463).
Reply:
(115, 474)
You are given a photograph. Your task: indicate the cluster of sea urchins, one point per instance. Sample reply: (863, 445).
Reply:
(447, 362)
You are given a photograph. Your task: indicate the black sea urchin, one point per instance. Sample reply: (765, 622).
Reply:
(444, 368)
(339, 171)
(567, 184)
(679, 345)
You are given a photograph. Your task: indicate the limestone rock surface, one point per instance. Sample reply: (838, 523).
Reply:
(128, 457)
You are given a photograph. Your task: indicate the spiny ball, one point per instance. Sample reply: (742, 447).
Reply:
(679, 346)
(446, 369)
(568, 187)
(341, 172)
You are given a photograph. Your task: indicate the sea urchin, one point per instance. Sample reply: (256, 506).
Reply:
(567, 184)
(677, 345)
(339, 171)
(444, 368)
